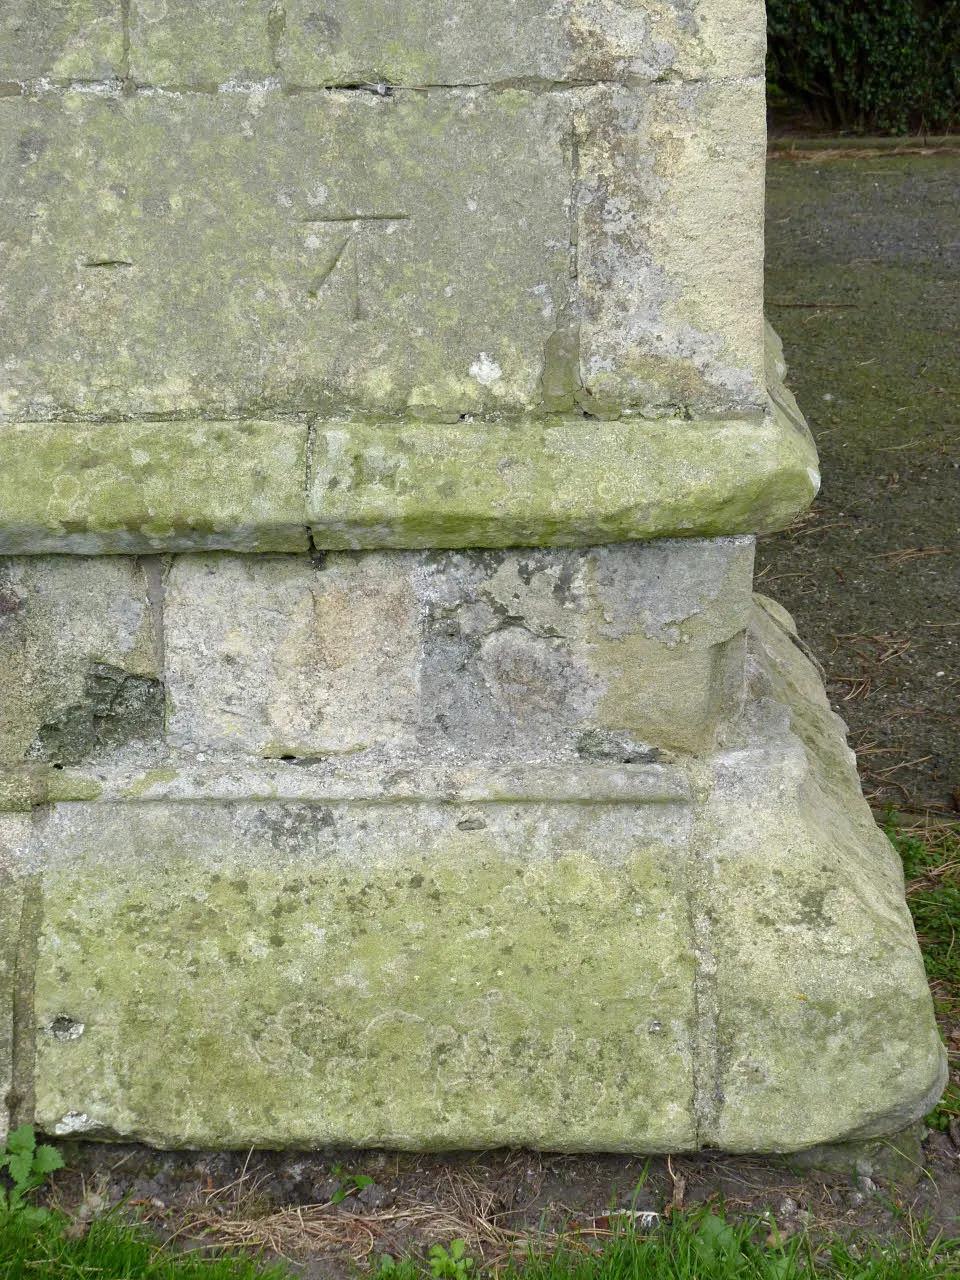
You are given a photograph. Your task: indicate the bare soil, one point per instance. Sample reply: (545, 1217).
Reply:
(499, 1202)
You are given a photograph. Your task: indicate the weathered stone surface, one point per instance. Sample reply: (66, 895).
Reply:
(273, 656)
(78, 660)
(139, 487)
(105, 488)
(728, 963)
(670, 248)
(564, 482)
(204, 43)
(201, 43)
(79, 40)
(823, 1014)
(484, 655)
(415, 977)
(438, 254)
(414, 42)
(249, 253)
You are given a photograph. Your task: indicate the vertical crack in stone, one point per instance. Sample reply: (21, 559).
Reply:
(154, 570)
(276, 27)
(22, 1099)
(561, 385)
(125, 55)
(574, 205)
(308, 485)
(707, 1088)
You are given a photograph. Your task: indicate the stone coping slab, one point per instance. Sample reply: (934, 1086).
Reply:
(140, 487)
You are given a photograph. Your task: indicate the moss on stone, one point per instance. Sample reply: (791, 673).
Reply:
(288, 976)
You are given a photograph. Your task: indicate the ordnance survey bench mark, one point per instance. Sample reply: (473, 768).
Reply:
(345, 256)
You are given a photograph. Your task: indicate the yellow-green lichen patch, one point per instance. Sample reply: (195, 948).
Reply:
(137, 486)
(82, 40)
(147, 781)
(561, 482)
(403, 976)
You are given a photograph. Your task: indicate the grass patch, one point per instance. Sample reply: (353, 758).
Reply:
(698, 1246)
(931, 864)
(703, 1246)
(110, 1250)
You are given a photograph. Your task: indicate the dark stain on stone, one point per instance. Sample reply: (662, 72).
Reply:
(10, 606)
(117, 708)
(31, 146)
(606, 747)
(471, 824)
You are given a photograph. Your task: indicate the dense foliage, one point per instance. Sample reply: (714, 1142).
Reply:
(888, 65)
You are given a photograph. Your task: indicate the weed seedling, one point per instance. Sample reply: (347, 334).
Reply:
(28, 1166)
(350, 1184)
(452, 1263)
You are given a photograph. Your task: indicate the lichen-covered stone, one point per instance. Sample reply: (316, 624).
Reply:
(725, 963)
(823, 1014)
(439, 253)
(561, 482)
(138, 487)
(78, 40)
(250, 253)
(411, 42)
(199, 44)
(484, 655)
(415, 976)
(78, 661)
(135, 487)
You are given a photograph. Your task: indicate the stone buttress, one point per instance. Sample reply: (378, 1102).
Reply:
(392, 750)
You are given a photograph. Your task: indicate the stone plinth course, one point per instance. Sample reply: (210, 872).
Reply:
(392, 749)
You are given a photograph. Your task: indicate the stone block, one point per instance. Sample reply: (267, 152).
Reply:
(143, 487)
(558, 483)
(434, 254)
(78, 659)
(613, 652)
(670, 248)
(64, 42)
(417, 976)
(243, 254)
(200, 44)
(821, 1004)
(277, 657)
(485, 655)
(415, 42)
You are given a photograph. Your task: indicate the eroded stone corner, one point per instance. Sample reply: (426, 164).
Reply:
(824, 1027)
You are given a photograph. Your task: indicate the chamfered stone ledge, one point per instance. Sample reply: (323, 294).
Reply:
(139, 487)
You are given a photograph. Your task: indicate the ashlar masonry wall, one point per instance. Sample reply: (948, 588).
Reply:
(392, 750)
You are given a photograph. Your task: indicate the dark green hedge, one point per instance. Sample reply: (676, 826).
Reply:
(887, 65)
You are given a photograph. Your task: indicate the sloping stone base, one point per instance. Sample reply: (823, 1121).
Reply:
(653, 956)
